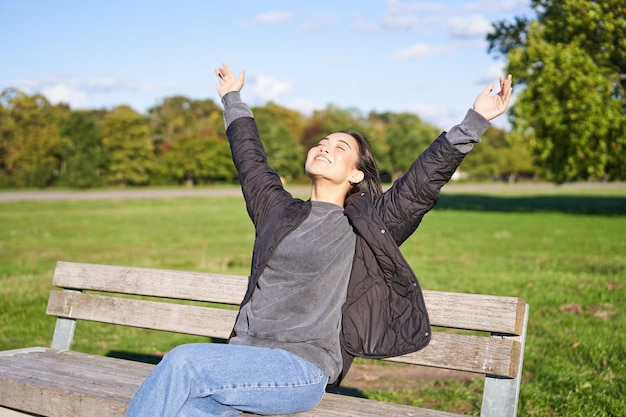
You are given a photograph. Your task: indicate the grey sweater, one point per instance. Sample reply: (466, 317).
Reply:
(297, 303)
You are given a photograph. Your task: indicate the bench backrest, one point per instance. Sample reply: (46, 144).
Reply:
(494, 348)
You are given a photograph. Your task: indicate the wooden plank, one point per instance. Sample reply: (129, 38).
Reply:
(88, 374)
(56, 401)
(336, 405)
(183, 285)
(178, 318)
(455, 310)
(446, 350)
(59, 398)
(489, 313)
(5, 412)
(483, 355)
(64, 383)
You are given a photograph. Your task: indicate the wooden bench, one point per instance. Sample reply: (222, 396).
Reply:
(59, 382)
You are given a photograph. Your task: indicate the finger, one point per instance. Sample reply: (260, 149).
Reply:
(227, 69)
(487, 90)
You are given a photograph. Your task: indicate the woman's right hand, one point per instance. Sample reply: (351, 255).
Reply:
(226, 80)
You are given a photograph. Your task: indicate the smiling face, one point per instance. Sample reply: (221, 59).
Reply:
(334, 159)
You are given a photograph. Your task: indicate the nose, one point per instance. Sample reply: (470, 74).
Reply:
(323, 149)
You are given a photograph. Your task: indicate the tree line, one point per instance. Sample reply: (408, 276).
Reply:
(182, 141)
(568, 120)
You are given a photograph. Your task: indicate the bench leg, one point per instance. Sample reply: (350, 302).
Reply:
(501, 395)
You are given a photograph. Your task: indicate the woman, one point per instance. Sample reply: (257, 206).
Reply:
(327, 281)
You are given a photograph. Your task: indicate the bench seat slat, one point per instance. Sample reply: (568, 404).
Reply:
(494, 356)
(57, 369)
(72, 395)
(496, 314)
(53, 388)
(334, 405)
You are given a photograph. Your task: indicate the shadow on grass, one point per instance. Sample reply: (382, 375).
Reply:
(606, 206)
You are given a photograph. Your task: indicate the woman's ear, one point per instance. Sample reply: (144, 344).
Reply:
(357, 177)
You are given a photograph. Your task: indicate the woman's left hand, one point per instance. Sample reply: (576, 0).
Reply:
(227, 81)
(492, 106)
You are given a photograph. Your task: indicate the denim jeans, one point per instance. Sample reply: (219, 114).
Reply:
(212, 379)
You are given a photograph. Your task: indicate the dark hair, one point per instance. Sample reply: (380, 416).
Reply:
(366, 163)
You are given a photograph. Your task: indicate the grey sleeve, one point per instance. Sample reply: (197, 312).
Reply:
(234, 107)
(464, 135)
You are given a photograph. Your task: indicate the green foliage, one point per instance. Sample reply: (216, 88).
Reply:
(329, 120)
(128, 146)
(195, 160)
(407, 136)
(499, 155)
(32, 146)
(179, 117)
(284, 152)
(571, 65)
(86, 158)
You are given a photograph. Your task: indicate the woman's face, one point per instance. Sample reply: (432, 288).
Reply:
(334, 159)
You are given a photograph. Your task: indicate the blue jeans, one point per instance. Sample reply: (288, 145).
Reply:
(211, 379)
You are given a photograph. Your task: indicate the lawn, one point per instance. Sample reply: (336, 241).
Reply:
(563, 249)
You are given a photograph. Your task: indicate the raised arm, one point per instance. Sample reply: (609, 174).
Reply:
(260, 184)
(413, 195)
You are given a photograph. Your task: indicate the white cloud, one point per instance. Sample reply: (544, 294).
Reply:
(79, 92)
(440, 115)
(303, 105)
(271, 89)
(415, 16)
(470, 26)
(359, 23)
(398, 7)
(270, 17)
(61, 93)
(100, 84)
(516, 6)
(419, 50)
(319, 22)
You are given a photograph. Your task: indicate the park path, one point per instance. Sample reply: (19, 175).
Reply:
(125, 193)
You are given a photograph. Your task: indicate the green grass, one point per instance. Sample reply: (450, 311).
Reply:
(561, 249)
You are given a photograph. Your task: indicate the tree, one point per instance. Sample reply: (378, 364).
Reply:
(196, 160)
(280, 130)
(499, 155)
(571, 65)
(86, 158)
(180, 117)
(407, 136)
(32, 146)
(128, 146)
(331, 120)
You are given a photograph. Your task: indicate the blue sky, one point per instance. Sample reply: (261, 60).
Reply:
(428, 58)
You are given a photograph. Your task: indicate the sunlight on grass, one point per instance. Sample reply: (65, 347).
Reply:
(561, 250)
